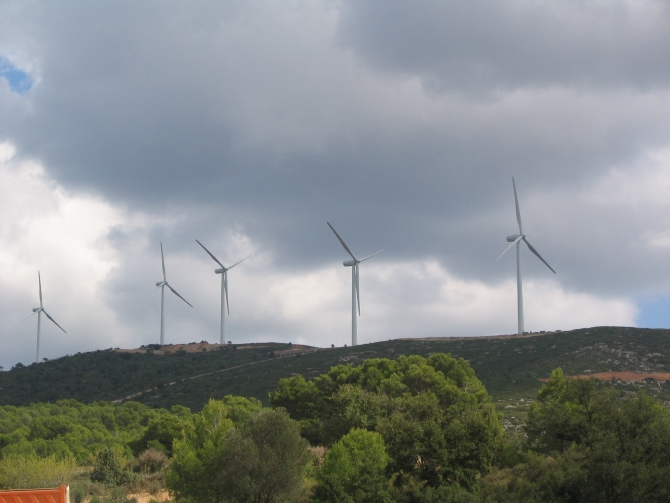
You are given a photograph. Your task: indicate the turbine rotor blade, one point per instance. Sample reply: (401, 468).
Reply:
(163, 263)
(530, 247)
(239, 262)
(358, 289)
(210, 254)
(225, 288)
(375, 253)
(152, 291)
(511, 244)
(47, 315)
(518, 213)
(175, 292)
(343, 243)
(30, 316)
(39, 279)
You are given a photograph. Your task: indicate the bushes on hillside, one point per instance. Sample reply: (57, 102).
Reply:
(436, 419)
(414, 430)
(354, 470)
(109, 470)
(30, 471)
(619, 444)
(69, 428)
(161, 432)
(261, 457)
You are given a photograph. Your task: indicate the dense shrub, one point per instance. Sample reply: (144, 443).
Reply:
(354, 470)
(260, 459)
(108, 469)
(150, 461)
(30, 471)
(437, 421)
(69, 428)
(621, 444)
(161, 432)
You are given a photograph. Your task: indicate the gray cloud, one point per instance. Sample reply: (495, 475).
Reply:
(497, 46)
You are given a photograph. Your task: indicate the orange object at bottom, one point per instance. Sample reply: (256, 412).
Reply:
(59, 495)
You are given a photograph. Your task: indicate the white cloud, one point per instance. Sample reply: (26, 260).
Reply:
(423, 299)
(43, 227)
(400, 299)
(646, 181)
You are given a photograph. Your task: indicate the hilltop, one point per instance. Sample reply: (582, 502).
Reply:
(189, 374)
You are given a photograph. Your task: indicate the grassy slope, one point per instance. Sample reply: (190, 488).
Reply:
(509, 367)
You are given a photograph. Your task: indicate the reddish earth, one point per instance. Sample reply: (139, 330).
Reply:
(623, 376)
(197, 347)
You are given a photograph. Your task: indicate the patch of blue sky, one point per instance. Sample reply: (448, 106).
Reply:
(19, 81)
(654, 313)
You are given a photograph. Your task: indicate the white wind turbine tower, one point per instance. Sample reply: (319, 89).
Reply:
(162, 285)
(516, 240)
(355, 285)
(39, 311)
(223, 271)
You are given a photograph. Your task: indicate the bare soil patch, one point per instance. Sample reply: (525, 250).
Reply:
(146, 497)
(525, 335)
(191, 347)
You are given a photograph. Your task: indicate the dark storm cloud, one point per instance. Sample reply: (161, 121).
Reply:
(499, 45)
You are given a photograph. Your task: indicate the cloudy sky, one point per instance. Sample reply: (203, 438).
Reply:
(248, 125)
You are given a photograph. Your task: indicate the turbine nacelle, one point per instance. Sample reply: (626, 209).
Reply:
(511, 239)
(161, 283)
(36, 309)
(219, 270)
(349, 263)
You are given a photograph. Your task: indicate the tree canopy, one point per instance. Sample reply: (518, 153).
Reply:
(435, 417)
(241, 453)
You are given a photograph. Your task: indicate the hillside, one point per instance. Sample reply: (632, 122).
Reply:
(509, 366)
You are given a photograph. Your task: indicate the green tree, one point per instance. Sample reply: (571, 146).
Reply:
(161, 433)
(622, 444)
(437, 420)
(108, 469)
(260, 460)
(354, 470)
(69, 428)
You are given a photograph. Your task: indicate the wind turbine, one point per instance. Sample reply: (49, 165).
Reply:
(355, 285)
(39, 311)
(223, 271)
(516, 240)
(162, 285)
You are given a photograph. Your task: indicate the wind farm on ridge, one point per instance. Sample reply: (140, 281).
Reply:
(354, 263)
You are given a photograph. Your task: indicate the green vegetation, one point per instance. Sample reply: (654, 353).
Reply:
(509, 368)
(113, 375)
(257, 456)
(586, 443)
(69, 428)
(412, 429)
(355, 470)
(31, 471)
(435, 417)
